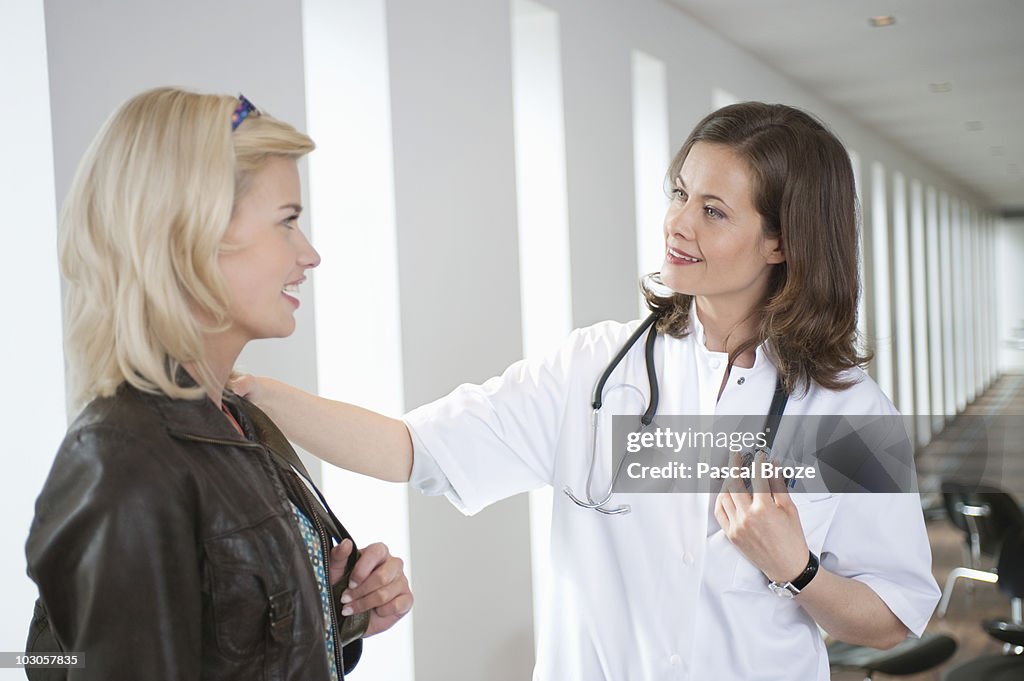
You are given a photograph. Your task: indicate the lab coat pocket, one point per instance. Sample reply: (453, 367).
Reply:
(747, 577)
(816, 510)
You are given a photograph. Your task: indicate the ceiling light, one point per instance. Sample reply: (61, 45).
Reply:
(882, 20)
(974, 126)
(944, 86)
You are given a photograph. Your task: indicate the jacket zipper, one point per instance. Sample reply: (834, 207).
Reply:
(325, 554)
(216, 441)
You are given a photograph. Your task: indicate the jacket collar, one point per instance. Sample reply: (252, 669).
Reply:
(200, 418)
(260, 428)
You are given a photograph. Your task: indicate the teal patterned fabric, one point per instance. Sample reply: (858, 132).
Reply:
(312, 540)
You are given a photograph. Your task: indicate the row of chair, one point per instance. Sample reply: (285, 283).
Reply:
(993, 525)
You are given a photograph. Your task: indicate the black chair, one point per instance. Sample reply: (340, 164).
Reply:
(985, 515)
(912, 656)
(1010, 665)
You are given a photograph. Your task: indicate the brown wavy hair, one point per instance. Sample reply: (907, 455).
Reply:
(804, 191)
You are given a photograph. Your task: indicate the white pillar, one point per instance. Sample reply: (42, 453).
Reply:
(936, 351)
(958, 316)
(969, 300)
(946, 270)
(880, 278)
(903, 317)
(919, 292)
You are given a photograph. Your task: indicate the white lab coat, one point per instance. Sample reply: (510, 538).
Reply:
(661, 593)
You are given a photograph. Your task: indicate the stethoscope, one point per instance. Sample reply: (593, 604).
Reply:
(778, 406)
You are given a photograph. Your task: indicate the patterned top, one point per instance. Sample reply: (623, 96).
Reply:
(312, 540)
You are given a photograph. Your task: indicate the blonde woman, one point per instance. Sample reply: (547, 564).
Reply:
(175, 537)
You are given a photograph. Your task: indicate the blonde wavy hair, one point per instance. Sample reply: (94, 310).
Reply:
(140, 232)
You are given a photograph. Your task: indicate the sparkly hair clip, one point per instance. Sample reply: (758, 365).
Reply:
(242, 111)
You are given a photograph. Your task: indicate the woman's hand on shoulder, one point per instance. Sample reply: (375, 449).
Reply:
(377, 584)
(256, 389)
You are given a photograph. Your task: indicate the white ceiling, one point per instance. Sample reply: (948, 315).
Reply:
(882, 76)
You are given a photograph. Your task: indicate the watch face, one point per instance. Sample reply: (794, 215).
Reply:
(786, 590)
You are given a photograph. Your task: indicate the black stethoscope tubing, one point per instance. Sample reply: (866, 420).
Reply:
(779, 399)
(775, 411)
(652, 379)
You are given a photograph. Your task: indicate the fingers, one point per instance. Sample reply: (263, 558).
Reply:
(339, 560)
(369, 558)
(389, 595)
(243, 384)
(758, 481)
(738, 504)
(384, 617)
(725, 511)
(780, 491)
(378, 583)
(735, 487)
(397, 607)
(257, 389)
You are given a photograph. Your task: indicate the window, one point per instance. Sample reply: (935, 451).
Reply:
(347, 79)
(651, 157)
(542, 205)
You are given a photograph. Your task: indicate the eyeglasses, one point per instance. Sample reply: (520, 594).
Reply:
(244, 109)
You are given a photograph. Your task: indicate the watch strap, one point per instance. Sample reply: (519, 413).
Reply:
(794, 587)
(807, 575)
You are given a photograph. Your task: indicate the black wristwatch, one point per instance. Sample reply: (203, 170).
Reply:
(792, 588)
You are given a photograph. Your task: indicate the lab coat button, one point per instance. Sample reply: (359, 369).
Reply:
(715, 363)
(675, 660)
(743, 379)
(688, 558)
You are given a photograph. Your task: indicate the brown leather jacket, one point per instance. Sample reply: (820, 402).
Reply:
(164, 547)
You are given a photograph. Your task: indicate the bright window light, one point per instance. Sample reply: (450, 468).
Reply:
(543, 216)
(651, 155)
(862, 313)
(880, 279)
(919, 304)
(958, 316)
(904, 364)
(946, 279)
(936, 352)
(353, 224)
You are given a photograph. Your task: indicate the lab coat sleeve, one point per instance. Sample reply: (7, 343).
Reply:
(880, 540)
(483, 443)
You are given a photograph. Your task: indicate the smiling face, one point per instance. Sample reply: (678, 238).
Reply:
(266, 255)
(715, 245)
